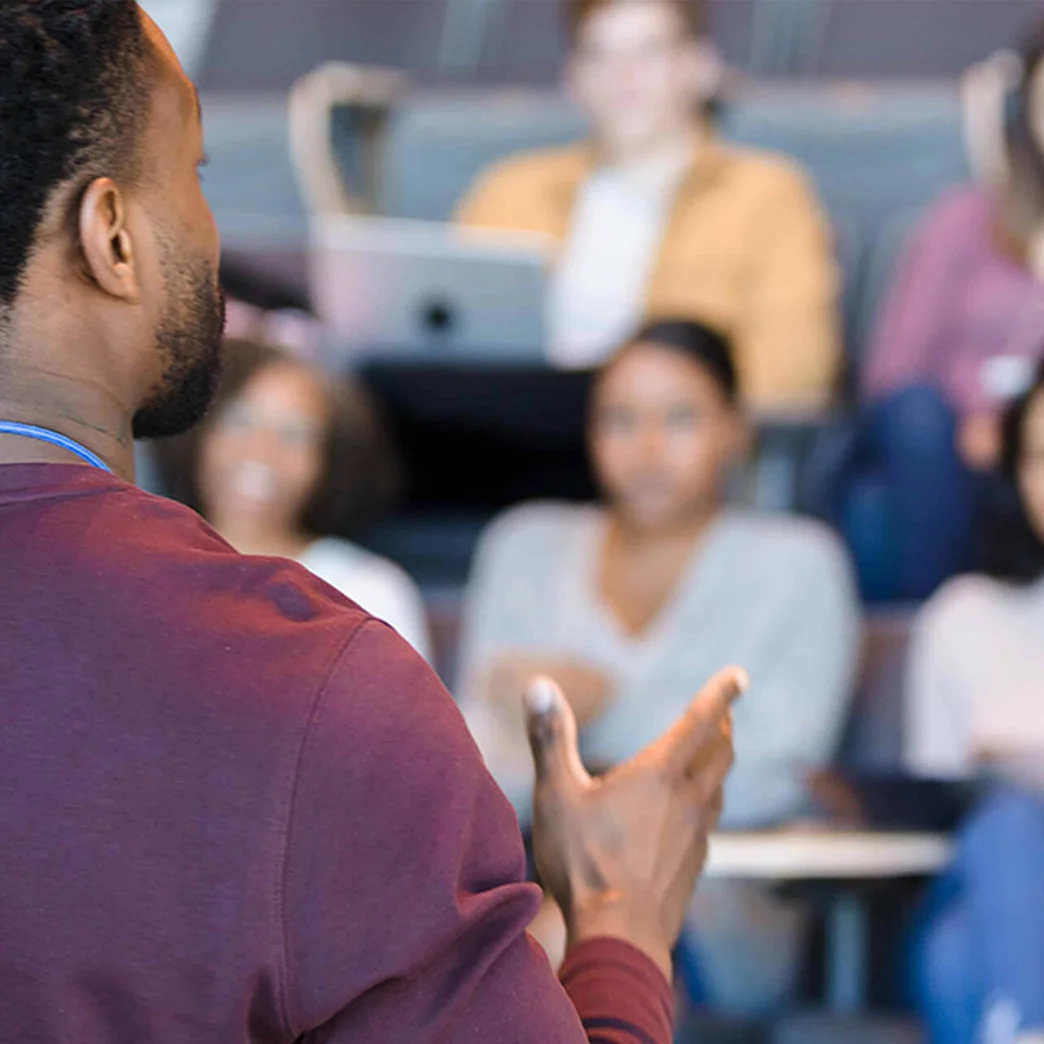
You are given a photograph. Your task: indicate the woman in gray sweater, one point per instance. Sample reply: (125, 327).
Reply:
(633, 604)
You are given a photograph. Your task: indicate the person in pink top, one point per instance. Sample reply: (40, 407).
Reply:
(965, 316)
(957, 338)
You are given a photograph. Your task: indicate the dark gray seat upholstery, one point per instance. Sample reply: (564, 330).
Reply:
(875, 153)
(267, 44)
(261, 45)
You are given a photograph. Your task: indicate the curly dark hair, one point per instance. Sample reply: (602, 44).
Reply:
(361, 472)
(1012, 549)
(71, 79)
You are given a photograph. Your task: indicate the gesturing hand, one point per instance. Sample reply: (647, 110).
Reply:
(621, 853)
(585, 686)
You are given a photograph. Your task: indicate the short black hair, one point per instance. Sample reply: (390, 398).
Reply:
(1012, 549)
(706, 347)
(361, 475)
(71, 78)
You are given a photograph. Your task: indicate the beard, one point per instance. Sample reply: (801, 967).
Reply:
(188, 339)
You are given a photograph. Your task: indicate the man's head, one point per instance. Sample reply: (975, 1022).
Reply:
(639, 68)
(106, 239)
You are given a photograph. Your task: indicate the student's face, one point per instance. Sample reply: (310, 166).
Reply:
(262, 455)
(662, 437)
(1031, 467)
(636, 73)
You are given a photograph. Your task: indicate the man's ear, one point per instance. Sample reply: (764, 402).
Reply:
(106, 242)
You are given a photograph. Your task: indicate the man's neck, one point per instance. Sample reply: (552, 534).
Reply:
(76, 409)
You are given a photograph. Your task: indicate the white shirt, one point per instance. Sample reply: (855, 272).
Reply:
(598, 288)
(376, 584)
(976, 677)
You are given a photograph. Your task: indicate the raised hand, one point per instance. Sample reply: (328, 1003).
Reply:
(621, 853)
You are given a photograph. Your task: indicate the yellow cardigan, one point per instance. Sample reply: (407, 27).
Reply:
(747, 250)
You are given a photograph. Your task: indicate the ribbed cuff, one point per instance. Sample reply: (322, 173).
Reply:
(620, 994)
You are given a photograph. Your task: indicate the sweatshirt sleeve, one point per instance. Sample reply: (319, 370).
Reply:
(403, 904)
(619, 994)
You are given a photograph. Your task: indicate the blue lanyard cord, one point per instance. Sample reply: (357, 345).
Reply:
(54, 438)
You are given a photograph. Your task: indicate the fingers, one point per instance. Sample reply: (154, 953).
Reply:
(703, 723)
(551, 726)
(717, 806)
(708, 773)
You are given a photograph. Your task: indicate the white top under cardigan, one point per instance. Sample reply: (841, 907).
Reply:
(598, 290)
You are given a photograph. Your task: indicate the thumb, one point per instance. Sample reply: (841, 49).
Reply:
(551, 725)
(703, 720)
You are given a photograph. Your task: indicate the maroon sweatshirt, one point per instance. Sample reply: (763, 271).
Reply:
(235, 808)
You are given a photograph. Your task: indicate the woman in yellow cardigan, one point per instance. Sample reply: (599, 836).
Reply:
(656, 217)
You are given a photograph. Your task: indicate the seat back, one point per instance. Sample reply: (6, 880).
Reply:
(250, 181)
(882, 269)
(873, 153)
(266, 44)
(262, 45)
(878, 156)
(187, 25)
(874, 736)
(438, 143)
(913, 39)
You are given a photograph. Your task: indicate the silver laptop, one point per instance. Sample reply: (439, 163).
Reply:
(428, 290)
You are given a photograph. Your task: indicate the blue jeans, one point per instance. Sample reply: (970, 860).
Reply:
(903, 498)
(981, 959)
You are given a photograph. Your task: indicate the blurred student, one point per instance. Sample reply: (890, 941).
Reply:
(976, 708)
(962, 326)
(290, 463)
(631, 604)
(656, 217)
